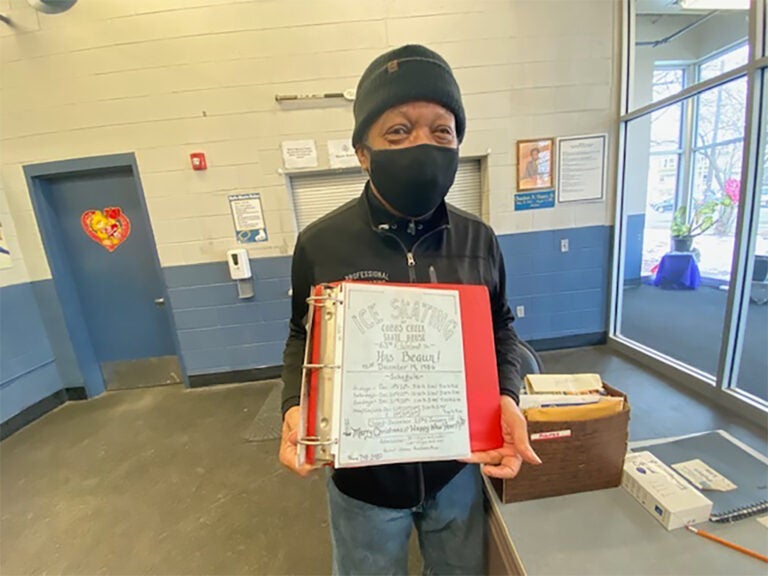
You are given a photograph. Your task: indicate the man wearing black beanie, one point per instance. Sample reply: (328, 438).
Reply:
(409, 122)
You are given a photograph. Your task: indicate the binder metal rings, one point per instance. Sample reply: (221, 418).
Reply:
(319, 300)
(322, 299)
(315, 441)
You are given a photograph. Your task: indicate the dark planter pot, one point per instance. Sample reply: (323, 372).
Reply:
(682, 243)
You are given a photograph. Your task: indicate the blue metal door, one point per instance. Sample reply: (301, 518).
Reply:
(109, 252)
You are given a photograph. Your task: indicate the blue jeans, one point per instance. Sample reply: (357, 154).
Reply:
(368, 539)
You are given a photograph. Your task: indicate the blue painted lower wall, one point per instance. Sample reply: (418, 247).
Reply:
(217, 331)
(28, 370)
(564, 293)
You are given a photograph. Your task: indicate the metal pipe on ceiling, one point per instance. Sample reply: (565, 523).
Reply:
(683, 30)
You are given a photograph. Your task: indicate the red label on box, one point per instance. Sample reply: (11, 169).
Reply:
(555, 434)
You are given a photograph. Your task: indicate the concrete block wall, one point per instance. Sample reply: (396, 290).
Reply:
(218, 332)
(563, 293)
(28, 370)
(164, 78)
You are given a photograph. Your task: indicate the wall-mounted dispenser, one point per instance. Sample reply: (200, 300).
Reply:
(239, 264)
(240, 270)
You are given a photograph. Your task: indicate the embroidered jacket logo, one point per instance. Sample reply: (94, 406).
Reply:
(368, 275)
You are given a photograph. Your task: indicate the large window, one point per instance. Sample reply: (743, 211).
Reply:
(693, 229)
(717, 154)
(666, 149)
(665, 33)
(695, 159)
(652, 315)
(723, 62)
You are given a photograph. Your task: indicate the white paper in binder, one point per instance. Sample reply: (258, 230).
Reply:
(384, 377)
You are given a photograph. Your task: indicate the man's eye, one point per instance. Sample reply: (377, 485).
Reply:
(397, 131)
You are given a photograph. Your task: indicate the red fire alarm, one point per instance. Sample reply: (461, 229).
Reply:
(198, 161)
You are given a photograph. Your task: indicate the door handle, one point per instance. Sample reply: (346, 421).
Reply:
(159, 301)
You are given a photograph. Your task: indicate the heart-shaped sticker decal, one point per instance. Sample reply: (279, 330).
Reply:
(109, 228)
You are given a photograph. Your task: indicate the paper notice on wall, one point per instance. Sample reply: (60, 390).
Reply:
(248, 216)
(581, 168)
(299, 154)
(341, 154)
(5, 252)
(698, 473)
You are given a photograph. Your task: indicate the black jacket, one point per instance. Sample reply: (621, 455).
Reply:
(354, 242)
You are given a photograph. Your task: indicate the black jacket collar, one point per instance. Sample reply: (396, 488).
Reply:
(382, 219)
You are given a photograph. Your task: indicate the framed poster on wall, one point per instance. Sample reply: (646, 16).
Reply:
(535, 164)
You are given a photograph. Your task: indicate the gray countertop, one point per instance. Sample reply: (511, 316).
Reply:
(608, 532)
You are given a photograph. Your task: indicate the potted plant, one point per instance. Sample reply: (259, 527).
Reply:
(706, 215)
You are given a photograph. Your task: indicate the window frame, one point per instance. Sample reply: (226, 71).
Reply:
(755, 70)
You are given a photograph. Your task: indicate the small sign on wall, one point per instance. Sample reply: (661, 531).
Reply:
(5, 252)
(299, 154)
(341, 154)
(248, 217)
(534, 200)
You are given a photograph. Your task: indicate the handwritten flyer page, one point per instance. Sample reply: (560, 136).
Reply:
(403, 393)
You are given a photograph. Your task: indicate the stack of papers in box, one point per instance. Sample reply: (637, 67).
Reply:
(548, 400)
(664, 493)
(563, 384)
(567, 397)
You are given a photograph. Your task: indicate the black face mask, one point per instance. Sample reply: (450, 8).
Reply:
(414, 180)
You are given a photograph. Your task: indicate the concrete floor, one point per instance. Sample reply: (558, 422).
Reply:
(163, 480)
(157, 481)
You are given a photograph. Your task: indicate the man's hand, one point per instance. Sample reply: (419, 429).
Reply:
(505, 462)
(289, 443)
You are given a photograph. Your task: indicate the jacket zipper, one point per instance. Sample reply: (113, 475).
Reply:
(412, 278)
(411, 267)
(411, 261)
(409, 258)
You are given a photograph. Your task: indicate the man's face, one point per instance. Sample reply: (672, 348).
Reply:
(534, 155)
(408, 125)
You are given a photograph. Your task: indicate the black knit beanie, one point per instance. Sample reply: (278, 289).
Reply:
(405, 74)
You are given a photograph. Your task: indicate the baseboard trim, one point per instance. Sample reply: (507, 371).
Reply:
(575, 341)
(235, 376)
(40, 409)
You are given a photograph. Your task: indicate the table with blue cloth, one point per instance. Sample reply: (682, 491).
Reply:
(678, 271)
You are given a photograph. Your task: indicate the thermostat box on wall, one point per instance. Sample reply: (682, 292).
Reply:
(663, 492)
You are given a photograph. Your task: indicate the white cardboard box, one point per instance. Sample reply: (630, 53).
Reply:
(663, 492)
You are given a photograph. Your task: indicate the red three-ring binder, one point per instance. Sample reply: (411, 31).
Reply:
(481, 372)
